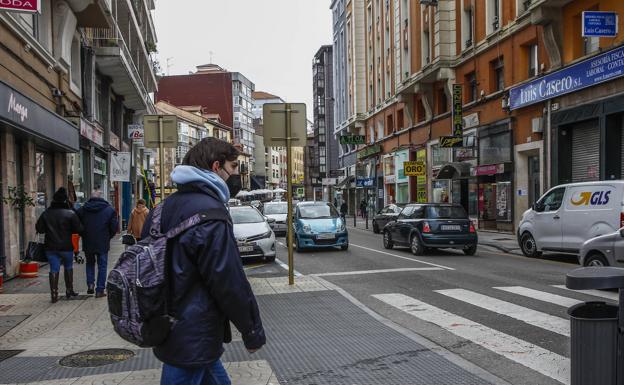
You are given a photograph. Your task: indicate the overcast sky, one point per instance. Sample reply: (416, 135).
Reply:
(271, 42)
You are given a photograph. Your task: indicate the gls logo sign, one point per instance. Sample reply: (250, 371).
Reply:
(598, 198)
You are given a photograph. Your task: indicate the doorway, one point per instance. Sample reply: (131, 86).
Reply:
(535, 190)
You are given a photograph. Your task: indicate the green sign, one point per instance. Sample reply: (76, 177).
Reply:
(352, 139)
(458, 123)
(368, 151)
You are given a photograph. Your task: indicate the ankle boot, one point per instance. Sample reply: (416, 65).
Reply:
(90, 289)
(69, 284)
(54, 278)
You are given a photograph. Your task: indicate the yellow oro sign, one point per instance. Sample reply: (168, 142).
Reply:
(414, 168)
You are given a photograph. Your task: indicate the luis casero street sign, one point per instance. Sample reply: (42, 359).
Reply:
(352, 139)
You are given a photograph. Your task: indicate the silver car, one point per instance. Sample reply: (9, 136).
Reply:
(254, 235)
(279, 212)
(605, 250)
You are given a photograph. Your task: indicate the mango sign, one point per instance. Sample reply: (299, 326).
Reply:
(414, 168)
(29, 6)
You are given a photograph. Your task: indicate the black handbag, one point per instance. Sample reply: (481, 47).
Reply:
(36, 252)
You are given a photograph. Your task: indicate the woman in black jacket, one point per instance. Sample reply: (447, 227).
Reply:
(58, 223)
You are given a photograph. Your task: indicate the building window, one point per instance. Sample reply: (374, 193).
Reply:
(467, 24)
(498, 75)
(442, 101)
(532, 55)
(75, 64)
(426, 45)
(471, 86)
(493, 12)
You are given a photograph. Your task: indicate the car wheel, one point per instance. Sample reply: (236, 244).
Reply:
(344, 247)
(375, 228)
(297, 246)
(470, 250)
(415, 246)
(528, 246)
(596, 260)
(387, 240)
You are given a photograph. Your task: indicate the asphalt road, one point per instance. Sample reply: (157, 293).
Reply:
(502, 312)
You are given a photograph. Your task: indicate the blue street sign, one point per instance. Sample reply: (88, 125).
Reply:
(595, 70)
(602, 24)
(365, 182)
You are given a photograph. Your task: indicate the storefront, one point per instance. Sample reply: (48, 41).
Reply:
(389, 179)
(371, 179)
(34, 142)
(402, 182)
(495, 176)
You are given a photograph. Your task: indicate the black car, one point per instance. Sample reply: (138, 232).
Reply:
(385, 216)
(432, 226)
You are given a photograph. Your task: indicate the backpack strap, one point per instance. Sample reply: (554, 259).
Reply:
(218, 214)
(155, 226)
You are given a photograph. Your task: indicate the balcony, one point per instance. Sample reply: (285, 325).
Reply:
(114, 60)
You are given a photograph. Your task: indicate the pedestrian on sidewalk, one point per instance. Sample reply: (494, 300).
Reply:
(209, 287)
(58, 222)
(363, 206)
(343, 210)
(100, 226)
(137, 219)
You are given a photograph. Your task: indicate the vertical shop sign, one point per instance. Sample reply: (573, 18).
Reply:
(421, 181)
(458, 123)
(503, 201)
(120, 167)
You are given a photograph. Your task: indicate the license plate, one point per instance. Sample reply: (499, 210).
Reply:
(245, 249)
(451, 228)
(326, 236)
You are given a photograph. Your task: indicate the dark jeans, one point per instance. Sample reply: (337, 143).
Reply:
(213, 374)
(56, 258)
(102, 263)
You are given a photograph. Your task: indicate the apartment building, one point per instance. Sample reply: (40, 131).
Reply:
(72, 81)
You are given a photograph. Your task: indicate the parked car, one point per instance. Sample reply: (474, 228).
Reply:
(279, 212)
(318, 225)
(253, 233)
(432, 226)
(605, 250)
(568, 215)
(256, 204)
(234, 202)
(384, 216)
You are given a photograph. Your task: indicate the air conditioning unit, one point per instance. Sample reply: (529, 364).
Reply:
(537, 125)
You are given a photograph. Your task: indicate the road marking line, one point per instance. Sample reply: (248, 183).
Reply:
(540, 295)
(398, 256)
(360, 272)
(532, 317)
(595, 293)
(532, 356)
(285, 267)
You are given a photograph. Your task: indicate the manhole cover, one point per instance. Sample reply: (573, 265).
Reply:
(94, 358)
(6, 354)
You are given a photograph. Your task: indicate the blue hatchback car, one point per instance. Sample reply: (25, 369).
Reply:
(318, 225)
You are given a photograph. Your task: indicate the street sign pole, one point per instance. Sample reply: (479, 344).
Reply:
(161, 156)
(291, 268)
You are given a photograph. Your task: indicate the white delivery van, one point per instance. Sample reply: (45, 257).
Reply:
(568, 215)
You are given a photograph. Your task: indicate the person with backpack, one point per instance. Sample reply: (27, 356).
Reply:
(207, 285)
(58, 223)
(100, 226)
(137, 219)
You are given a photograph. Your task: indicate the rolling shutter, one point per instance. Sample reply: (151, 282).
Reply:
(586, 152)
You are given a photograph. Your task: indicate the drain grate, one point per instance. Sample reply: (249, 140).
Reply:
(6, 354)
(95, 358)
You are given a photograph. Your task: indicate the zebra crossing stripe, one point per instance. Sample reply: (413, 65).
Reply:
(540, 295)
(532, 317)
(532, 356)
(595, 293)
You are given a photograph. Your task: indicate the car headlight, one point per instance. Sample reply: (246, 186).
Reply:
(342, 228)
(307, 229)
(267, 234)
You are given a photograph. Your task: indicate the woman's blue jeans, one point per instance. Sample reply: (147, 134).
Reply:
(56, 258)
(213, 374)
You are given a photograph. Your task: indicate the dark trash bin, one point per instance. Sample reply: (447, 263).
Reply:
(593, 343)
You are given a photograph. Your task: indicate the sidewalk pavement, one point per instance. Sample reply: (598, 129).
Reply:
(316, 334)
(505, 242)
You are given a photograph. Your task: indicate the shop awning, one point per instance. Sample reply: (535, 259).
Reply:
(348, 180)
(456, 170)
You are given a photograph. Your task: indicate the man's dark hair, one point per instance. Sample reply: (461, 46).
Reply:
(210, 150)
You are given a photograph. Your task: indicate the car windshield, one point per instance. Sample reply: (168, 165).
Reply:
(281, 208)
(317, 212)
(246, 216)
(446, 212)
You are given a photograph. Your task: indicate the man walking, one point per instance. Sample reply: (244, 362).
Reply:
(137, 219)
(207, 282)
(100, 223)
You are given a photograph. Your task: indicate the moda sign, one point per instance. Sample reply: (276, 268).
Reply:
(31, 6)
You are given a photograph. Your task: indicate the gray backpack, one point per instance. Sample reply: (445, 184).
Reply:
(137, 287)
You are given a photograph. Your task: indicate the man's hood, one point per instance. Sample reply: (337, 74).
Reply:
(95, 205)
(140, 210)
(188, 174)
